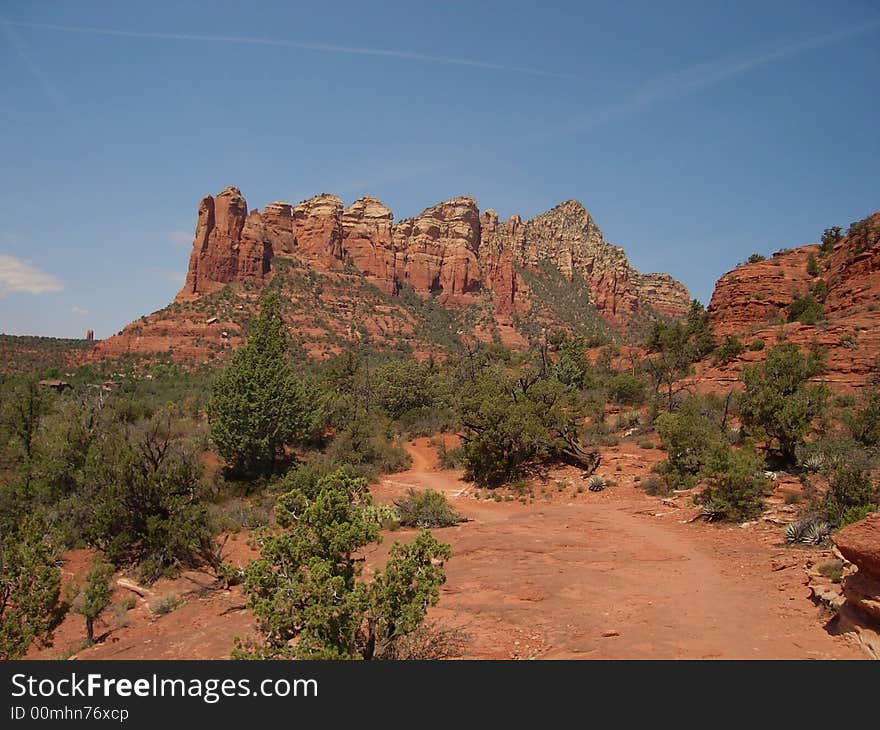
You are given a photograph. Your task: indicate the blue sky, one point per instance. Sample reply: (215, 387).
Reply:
(695, 132)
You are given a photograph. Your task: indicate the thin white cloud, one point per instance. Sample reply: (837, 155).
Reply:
(701, 76)
(277, 42)
(180, 238)
(55, 97)
(80, 311)
(17, 275)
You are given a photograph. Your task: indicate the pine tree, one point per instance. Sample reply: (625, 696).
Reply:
(257, 407)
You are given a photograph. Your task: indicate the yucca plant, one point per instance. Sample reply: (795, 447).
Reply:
(817, 533)
(811, 530)
(597, 484)
(813, 462)
(712, 511)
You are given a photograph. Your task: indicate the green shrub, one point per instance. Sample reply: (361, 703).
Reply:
(819, 290)
(812, 265)
(805, 309)
(656, 487)
(851, 495)
(830, 237)
(779, 402)
(757, 345)
(688, 438)
(426, 508)
(756, 258)
(626, 389)
(729, 350)
(736, 484)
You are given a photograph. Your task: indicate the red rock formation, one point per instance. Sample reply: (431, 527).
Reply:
(751, 303)
(438, 249)
(367, 240)
(221, 253)
(318, 226)
(448, 251)
(859, 543)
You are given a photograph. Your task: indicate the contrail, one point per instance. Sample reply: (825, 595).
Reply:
(702, 76)
(55, 97)
(317, 47)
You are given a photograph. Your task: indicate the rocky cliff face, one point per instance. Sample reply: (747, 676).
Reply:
(450, 253)
(229, 245)
(751, 302)
(859, 543)
(449, 250)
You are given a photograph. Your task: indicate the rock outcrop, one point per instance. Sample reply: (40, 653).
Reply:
(229, 245)
(859, 543)
(751, 302)
(450, 253)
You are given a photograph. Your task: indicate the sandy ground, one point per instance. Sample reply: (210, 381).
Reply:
(569, 574)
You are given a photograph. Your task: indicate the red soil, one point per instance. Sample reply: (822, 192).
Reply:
(609, 575)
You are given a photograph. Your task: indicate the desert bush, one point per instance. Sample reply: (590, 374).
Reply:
(729, 350)
(779, 402)
(805, 309)
(851, 495)
(829, 237)
(812, 265)
(426, 508)
(688, 438)
(831, 569)
(237, 513)
(756, 258)
(656, 487)
(757, 345)
(736, 484)
(385, 516)
(166, 604)
(305, 588)
(626, 389)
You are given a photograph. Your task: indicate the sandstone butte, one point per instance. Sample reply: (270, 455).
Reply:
(450, 254)
(750, 302)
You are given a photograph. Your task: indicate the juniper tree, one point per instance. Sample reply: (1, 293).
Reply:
(257, 406)
(778, 402)
(30, 583)
(95, 597)
(306, 590)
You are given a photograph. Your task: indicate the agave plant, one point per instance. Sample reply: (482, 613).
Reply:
(817, 533)
(712, 511)
(597, 484)
(794, 531)
(813, 462)
(811, 530)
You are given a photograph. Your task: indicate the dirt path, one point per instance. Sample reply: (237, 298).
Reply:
(616, 574)
(572, 574)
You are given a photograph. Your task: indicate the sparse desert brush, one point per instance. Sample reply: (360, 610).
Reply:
(167, 604)
(427, 508)
(655, 486)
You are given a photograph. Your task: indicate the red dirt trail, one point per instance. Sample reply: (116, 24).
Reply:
(616, 575)
(572, 574)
